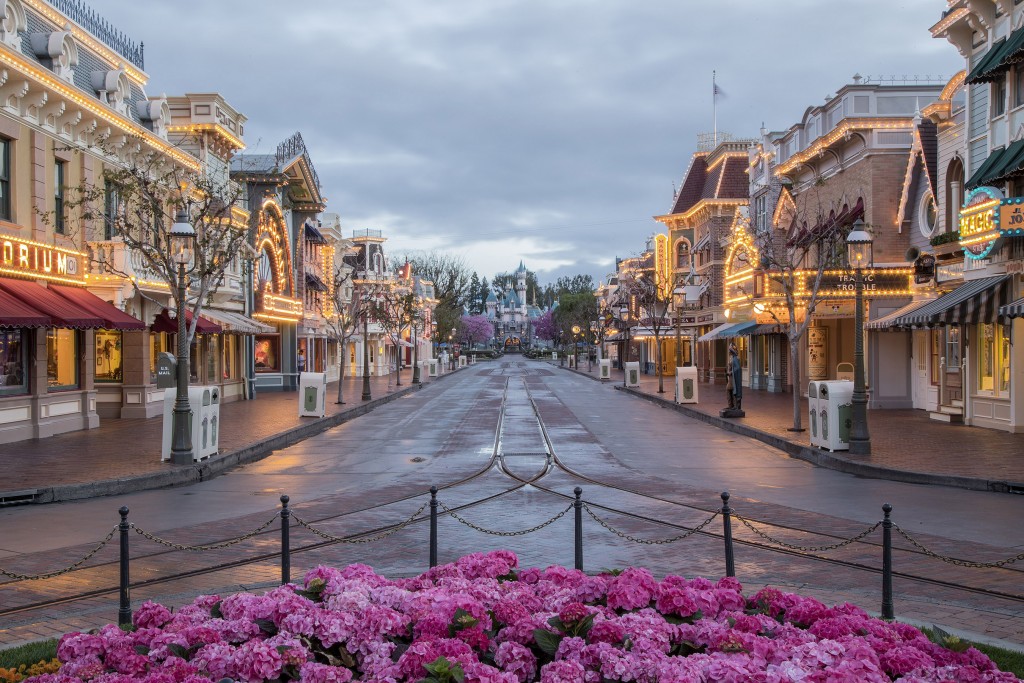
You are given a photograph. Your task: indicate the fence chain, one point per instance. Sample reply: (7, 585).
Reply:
(645, 541)
(953, 560)
(70, 568)
(521, 532)
(368, 539)
(209, 546)
(808, 549)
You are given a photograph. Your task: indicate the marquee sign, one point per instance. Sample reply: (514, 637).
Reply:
(44, 261)
(878, 283)
(984, 211)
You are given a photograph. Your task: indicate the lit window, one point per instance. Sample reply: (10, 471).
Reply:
(953, 349)
(5, 179)
(993, 359)
(61, 359)
(14, 377)
(108, 356)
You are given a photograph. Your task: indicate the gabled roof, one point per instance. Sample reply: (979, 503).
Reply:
(725, 178)
(923, 159)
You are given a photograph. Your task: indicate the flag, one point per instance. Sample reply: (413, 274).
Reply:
(717, 91)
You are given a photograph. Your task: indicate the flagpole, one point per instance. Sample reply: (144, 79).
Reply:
(714, 106)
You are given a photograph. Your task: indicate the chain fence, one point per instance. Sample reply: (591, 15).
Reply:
(645, 541)
(808, 549)
(953, 560)
(462, 520)
(368, 539)
(208, 546)
(70, 568)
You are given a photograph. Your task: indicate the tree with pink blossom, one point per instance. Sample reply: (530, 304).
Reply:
(476, 328)
(545, 326)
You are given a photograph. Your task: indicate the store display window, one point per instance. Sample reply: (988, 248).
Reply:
(268, 353)
(108, 356)
(61, 359)
(13, 365)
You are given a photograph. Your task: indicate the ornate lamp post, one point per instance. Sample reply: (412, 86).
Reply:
(624, 319)
(415, 344)
(679, 300)
(859, 254)
(182, 239)
(366, 339)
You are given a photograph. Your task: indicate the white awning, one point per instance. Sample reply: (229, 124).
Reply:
(729, 330)
(236, 322)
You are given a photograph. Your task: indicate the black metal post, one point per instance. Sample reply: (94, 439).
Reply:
(286, 545)
(181, 418)
(888, 611)
(579, 527)
(415, 356)
(124, 610)
(730, 562)
(433, 526)
(860, 440)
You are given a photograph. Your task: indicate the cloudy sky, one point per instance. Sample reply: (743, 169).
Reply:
(544, 130)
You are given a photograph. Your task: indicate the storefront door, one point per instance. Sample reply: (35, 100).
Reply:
(922, 380)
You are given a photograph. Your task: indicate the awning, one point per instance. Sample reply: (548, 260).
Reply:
(982, 70)
(999, 164)
(113, 317)
(62, 313)
(165, 323)
(315, 283)
(15, 313)
(728, 330)
(388, 341)
(891, 320)
(232, 321)
(767, 328)
(1013, 310)
(1003, 54)
(314, 235)
(975, 301)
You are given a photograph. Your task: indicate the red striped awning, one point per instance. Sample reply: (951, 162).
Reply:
(15, 313)
(113, 317)
(63, 313)
(165, 323)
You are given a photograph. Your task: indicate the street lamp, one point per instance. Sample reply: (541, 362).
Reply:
(366, 341)
(859, 254)
(415, 345)
(182, 243)
(624, 319)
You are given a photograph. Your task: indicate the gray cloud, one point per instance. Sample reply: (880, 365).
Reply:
(509, 129)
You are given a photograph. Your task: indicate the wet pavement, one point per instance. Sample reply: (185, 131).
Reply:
(667, 469)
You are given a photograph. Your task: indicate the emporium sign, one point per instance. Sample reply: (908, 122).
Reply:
(45, 261)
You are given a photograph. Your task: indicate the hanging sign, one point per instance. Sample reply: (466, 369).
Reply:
(979, 222)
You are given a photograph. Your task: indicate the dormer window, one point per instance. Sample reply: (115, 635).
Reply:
(113, 88)
(57, 50)
(12, 21)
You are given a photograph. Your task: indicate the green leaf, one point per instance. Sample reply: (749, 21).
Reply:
(461, 620)
(142, 649)
(215, 611)
(557, 623)
(547, 641)
(267, 626)
(178, 650)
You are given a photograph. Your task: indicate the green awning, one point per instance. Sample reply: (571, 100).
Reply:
(979, 74)
(999, 164)
(1003, 54)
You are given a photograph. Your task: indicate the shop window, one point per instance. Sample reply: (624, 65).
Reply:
(5, 179)
(59, 223)
(108, 356)
(935, 353)
(999, 97)
(953, 349)
(111, 207)
(212, 343)
(993, 359)
(159, 342)
(229, 357)
(61, 359)
(13, 364)
(268, 353)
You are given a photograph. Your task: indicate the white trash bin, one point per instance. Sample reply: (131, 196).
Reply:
(686, 385)
(197, 396)
(572, 360)
(814, 412)
(209, 425)
(606, 368)
(836, 411)
(472, 359)
(633, 374)
(554, 355)
(312, 394)
(424, 366)
(462, 361)
(432, 366)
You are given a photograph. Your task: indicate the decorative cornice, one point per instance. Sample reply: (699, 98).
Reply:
(840, 132)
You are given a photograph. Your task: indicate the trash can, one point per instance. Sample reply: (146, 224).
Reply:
(472, 360)
(424, 366)
(606, 368)
(836, 402)
(686, 385)
(197, 396)
(462, 361)
(209, 426)
(554, 355)
(633, 374)
(813, 408)
(432, 366)
(572, 360)
(312, 394)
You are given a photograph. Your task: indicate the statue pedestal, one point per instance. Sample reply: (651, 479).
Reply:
(731, 412)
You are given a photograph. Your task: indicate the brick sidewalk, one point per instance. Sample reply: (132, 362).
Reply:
(99, 462)
(906, 445)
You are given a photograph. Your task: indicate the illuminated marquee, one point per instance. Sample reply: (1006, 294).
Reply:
(43, 261)
(979, 222)
(662, 266)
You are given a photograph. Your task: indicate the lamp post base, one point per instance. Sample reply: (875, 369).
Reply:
(860, 447)
(731, 412)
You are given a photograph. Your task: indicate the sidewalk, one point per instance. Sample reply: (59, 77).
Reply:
(906, 445)
(41, 471)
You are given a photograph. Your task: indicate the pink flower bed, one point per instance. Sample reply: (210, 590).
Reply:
(481, 619)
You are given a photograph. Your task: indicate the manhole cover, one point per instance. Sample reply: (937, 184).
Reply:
(418, 459)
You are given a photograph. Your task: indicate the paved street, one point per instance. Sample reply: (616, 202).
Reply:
(661, 467)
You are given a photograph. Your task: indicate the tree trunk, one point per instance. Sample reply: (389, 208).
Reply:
(794, 365)
(657, 359)
(341, 375)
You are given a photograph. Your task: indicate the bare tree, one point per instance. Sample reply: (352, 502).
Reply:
(136, 201)
(394, 309)
(650, 297)
(341, 311)
(449, 273)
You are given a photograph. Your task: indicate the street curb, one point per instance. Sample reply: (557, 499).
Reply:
(814, 456)
(208, 469)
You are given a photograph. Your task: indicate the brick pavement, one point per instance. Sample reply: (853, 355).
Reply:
(99, 461)
(906, 445)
